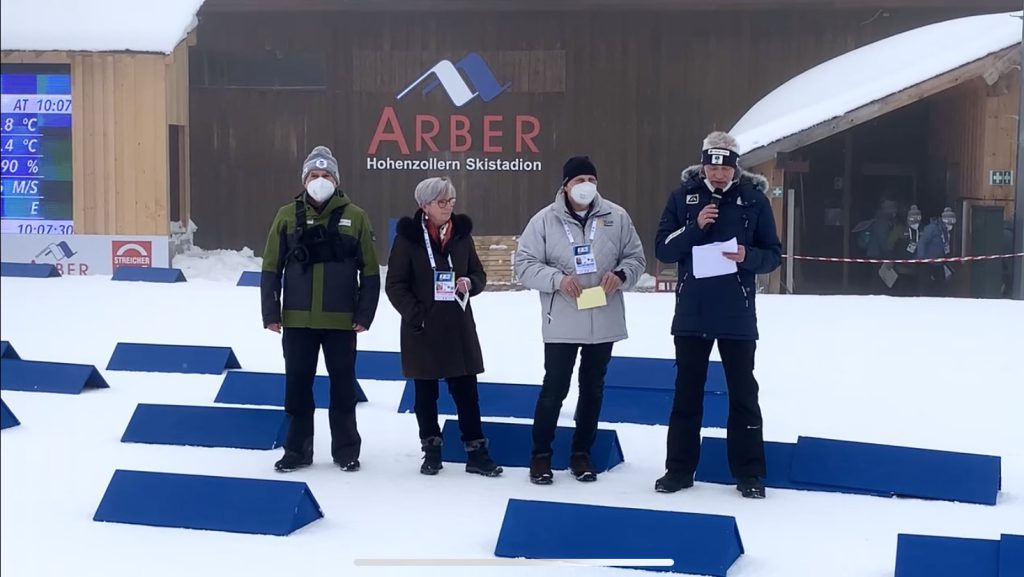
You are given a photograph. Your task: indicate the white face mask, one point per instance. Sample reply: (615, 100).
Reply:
(320, 189)
(584, 192)
(711, 187)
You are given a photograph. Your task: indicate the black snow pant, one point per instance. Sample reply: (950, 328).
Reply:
(467, 404)
(301, 354)
(559, 360)
(745, 440)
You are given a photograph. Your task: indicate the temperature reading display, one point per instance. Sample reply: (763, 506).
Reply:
(35, 149)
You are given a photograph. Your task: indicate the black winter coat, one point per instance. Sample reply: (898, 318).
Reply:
(721, 306)
(438, 339)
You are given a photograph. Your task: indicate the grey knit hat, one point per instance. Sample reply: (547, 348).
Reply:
(914, 213)
(720, 148)
(321, 158)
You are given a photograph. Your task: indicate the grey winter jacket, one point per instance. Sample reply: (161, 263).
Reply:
(545, 257)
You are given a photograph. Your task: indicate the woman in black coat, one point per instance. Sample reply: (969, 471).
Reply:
(430, 288)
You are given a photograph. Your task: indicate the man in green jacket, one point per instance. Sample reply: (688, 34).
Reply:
(322, 247)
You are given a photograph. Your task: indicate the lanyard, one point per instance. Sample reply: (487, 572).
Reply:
(430, 250)
(568, 233)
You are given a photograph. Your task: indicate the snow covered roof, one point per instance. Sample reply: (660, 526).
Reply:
(871, 73)
(96, 25)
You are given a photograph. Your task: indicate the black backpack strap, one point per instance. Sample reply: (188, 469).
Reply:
(336, 214)
(300, 218)
(298, 252)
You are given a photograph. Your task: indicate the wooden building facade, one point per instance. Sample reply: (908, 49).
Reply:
(947, 142)
(130, 138)
(634, 86)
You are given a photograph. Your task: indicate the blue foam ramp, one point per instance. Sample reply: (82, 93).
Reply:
(36, 376)
(7, 351)
(509, 445)
(172, 359)
(379, 366)
(202, 502)
(654, 406)
(229, 427)
(496, 400)
(620, 405)
(7, 418)
(929, 556)
(148, 274)
(248, 388)
(249, 278)
(1011, 555)
(902, 471)
(714, 468)
(697, 544)
(643, 373)
(28, 270)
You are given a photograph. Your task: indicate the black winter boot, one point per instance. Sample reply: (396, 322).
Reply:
(348, 466)
(431, 455)
(673, 481)
(581, 467)
(292, 461)
(751, 488)
(479, 461)
(540, 470)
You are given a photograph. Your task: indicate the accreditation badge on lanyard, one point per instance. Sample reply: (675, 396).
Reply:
(444, 285)
(583, 254)
(444, 280)
(912, 245)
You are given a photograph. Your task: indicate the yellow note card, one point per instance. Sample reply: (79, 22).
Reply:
(591, 298)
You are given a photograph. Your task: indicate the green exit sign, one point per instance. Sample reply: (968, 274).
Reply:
(1000, 177)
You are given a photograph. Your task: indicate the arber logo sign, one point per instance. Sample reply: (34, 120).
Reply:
(465, 81)
(131, 253)
(61, 255)
(447, 75)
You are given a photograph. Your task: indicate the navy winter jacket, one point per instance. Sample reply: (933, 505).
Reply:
(722, 306)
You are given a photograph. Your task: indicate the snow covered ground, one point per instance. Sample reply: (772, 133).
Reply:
(940, 374)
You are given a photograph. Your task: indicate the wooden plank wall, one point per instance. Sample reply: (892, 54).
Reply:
(956, 124)
(974, 128)
(497, 255)
(635, 90)
(119, 136)
(999, 148)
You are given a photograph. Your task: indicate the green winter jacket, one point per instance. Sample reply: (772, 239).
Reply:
(333, 294)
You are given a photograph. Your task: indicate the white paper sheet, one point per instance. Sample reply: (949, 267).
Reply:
(709, 261)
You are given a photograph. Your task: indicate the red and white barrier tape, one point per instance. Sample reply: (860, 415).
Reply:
(906, 261)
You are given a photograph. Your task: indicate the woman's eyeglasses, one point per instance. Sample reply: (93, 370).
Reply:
(445, 202)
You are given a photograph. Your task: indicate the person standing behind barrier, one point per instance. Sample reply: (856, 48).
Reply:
(581, 241)
(319, 287)
(936, 242)
(906, 240)
(433, 271)
(716, 201)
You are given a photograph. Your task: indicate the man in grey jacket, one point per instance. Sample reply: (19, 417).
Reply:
(581, 241)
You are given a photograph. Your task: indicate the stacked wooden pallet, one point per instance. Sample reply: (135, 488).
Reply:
(497, 253)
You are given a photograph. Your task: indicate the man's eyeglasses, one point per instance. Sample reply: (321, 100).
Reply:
(445, 202)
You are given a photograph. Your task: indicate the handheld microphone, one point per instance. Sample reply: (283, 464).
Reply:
(716, 199)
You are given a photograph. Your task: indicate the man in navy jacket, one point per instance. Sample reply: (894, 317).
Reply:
(717, 201)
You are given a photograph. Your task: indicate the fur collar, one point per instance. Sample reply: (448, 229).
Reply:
(756, 181)
(412, 230)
